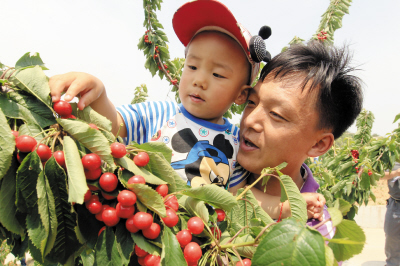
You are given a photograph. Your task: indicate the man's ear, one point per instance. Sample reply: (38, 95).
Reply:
(322, 146)
(243, 94)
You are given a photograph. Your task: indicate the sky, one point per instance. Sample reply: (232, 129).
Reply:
(100, 37)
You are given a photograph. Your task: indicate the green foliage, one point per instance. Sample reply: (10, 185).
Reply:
(140, 94)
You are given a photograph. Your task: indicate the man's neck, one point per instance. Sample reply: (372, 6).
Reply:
(273, 185)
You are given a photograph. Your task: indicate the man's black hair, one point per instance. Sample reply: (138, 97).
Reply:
(326, 68)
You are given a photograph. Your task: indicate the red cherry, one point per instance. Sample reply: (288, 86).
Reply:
(142, 220)
(110, 217)
(162, 190)
(171, 202)
(118, 150)
(137, 179)
(246, 262)
(192, 252)
(107, 197)
(130, 226)
(15, 133)
(91, 161)
(126, 198)
(124, 212)
(172, 218)
(141, 261)
(369, 173)
(93, 174)
(44, 152)
(68, 117)
(140, 252)
(101, 230)
(93, 197)
(152, 260)
(195, 225)
(108, 182)
(152, 232)
(141, 159)
(25, 143)
(94, 206)
(99, 216)
(184, 237)
(62, 108)
(191, 263)
(216, 232)
(60, 158)
(93, 126)
(221, 215)
(88, 196)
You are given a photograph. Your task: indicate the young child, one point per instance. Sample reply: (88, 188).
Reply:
(218, 72)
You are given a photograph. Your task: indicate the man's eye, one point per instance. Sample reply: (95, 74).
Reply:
(218, 75)
(277, 116)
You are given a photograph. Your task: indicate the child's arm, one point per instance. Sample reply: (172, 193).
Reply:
(91, 92)
(272, 205)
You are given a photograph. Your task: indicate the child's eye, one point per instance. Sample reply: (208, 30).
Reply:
(192, 67)
(218, 76)
(250, 102)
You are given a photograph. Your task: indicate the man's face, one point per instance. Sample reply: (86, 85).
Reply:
(278, 125)
(215, 73)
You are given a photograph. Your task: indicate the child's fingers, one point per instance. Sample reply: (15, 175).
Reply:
(58, 85)
(87, 97)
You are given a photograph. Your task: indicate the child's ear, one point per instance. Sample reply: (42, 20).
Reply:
(324, 143)
(243, 94)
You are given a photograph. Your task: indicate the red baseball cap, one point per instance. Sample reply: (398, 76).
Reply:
(200, 15)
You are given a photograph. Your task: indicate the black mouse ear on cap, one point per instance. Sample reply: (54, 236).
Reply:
(265, 32)
(258, 51)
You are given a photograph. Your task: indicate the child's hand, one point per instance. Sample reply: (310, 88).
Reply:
(315, 205)
(87, 87)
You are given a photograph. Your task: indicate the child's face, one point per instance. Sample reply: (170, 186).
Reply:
(215, 76)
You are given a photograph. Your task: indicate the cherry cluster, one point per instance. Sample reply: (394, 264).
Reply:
(322, 36)
(146, 37)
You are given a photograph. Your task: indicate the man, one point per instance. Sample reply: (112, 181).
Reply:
(305, 99)
(392, 217)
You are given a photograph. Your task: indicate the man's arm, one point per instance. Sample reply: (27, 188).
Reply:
(390, 175)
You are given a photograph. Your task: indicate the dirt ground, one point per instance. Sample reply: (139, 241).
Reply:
(381, 193)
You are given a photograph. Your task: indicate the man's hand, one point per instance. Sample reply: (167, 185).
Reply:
(87, 87)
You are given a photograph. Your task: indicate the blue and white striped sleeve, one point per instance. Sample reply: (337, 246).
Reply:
(142, 120)
(239, 174)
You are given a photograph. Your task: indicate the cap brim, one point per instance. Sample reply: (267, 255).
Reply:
(193, 16)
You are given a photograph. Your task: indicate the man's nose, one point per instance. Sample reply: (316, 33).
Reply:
(253, 119)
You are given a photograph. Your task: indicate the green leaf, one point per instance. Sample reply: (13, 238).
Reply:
(76, 176)
(91, 138)
(88, 225)
(298, 206)
(156, 147)
(329, 257)
(396, 118)
(150, 198)
(36, 229)
(344, 206)
(124, 241)
(351, 231)
(91, 116)
(247, 209)
(171, 250)
(47, 208)
(32, 130)
(246, 251)
(197, 208)
(15, 110)
(34, 81)
(106, 249)
(27, 176)
(7, 145)
(214, 195)
(128, 164)
(336, 216)
(66, 242)
(30, 60)
(290, 243)
(87, 257)
(7, 201)
(145, 245)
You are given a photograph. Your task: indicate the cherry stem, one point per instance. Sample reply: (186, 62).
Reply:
(119, 129)
(244, 244)
(321, 223)
(230, 240)
(253, 184)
